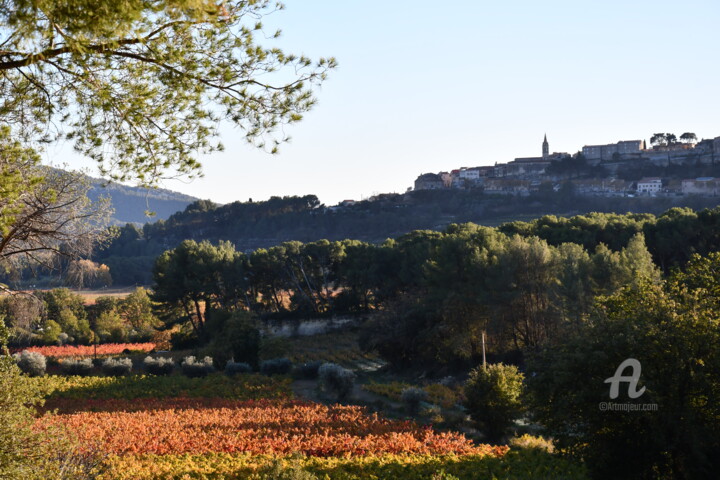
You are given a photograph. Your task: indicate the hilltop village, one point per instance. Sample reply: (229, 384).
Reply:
(625, 168)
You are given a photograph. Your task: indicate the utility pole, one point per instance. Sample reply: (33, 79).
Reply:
(483, 347)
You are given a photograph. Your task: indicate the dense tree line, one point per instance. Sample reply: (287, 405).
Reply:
(672, 237)
(434, 293)
(253, 225)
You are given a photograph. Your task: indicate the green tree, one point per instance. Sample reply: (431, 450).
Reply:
(658, 139)
(575, 288)
(525, 277)
(702, 273)
(493, 398)
(673, 332)
(67, 309)
(141, 86)
(673, 237)
(688, 137)
(110, 327)
(136, 309)
(638, 261)
(324, 258)
(267, 278)
(358, 273)
(458, 282)
(51, 331)
(188, 281)
(237, 337)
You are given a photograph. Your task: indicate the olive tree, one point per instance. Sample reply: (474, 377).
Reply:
(141, 86)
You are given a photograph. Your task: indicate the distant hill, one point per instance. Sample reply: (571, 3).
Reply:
(132, 203)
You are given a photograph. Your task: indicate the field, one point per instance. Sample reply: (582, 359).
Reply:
(337, 347)
(251, 426)
(90, 296)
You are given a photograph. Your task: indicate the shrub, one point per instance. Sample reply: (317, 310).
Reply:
(51, 332)
(276, 366)
(26, 452)
(81, 367)
(308, 370)
(392, 390)
(191, 367)
(233, 368)
(442, 395)
(32, 363)
(117, 367)
(159, 365)
(452, 419)
(433, 412)
(336, 379)
(492, 397)
(413, 397)
(532, 442)
(274, 347)
(237, 337)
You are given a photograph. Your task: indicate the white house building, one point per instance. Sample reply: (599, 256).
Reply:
(649, 185)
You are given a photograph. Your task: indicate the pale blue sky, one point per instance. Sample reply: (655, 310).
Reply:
(425, 86)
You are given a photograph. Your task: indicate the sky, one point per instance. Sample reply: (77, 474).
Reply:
(427, 86)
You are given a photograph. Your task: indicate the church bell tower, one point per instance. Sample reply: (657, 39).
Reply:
(546, 148)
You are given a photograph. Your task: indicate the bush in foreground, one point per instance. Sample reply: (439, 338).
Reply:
(413, 397)
(32, 363)
(492, 397)
(26, 452)
(117, 367)
(159, 365)
(234, 368)
(529, 441)
(336, 379)
(192, 367)
(276, 366)
(82, 367)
